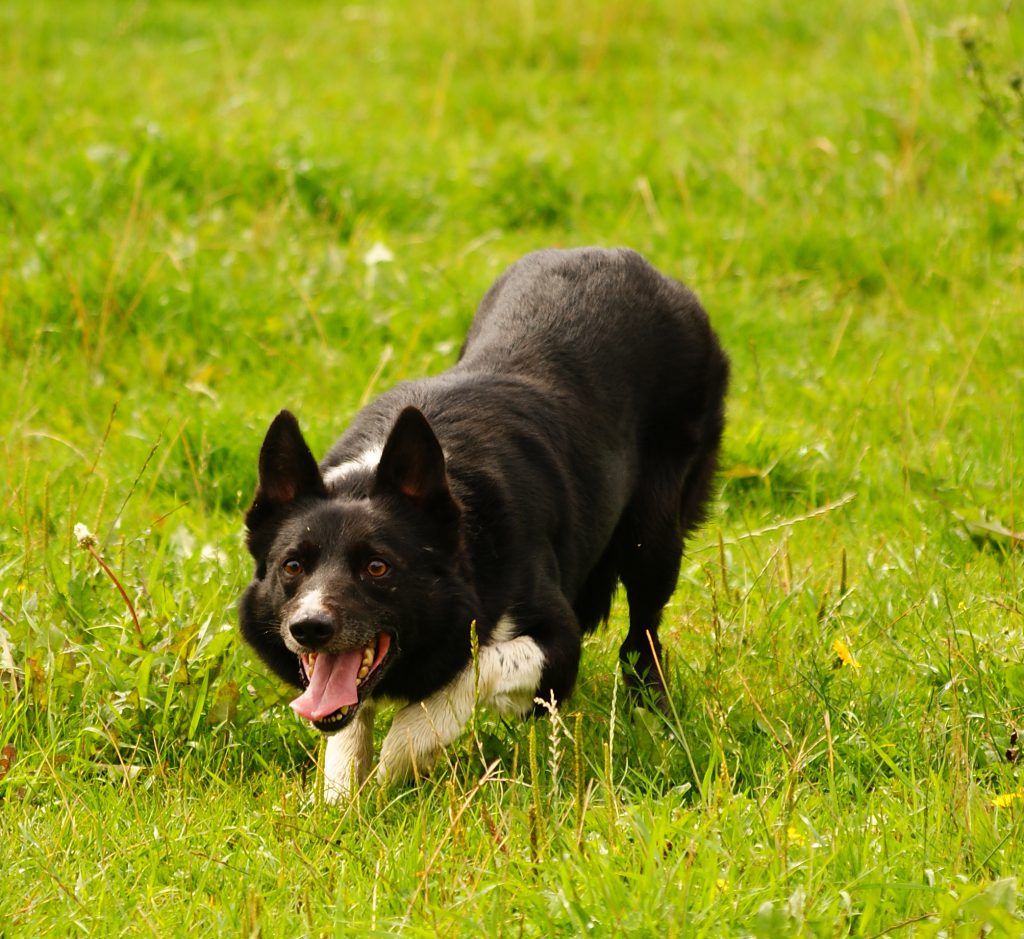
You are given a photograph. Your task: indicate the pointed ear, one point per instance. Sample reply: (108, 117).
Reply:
(287, 467)
(412, 465)
(412, 462)
(287, 472)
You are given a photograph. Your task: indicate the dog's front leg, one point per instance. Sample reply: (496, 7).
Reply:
(506, 678)
(349, 755)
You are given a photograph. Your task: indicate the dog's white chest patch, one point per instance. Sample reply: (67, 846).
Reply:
(349, 755)
(506, 677)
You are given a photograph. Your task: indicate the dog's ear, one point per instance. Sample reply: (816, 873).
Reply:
(412, 465)
(287, 467)
(288, 472)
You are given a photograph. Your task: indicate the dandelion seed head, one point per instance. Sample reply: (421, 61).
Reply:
(84, 537)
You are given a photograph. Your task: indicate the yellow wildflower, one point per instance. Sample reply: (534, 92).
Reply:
(842, 650)
(1006, 799)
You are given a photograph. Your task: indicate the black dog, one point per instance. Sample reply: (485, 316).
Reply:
(572, 446)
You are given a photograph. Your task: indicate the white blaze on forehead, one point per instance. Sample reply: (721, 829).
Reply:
(310, 606)
(367, 460)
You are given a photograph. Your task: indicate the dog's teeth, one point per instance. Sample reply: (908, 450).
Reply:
(368, 656)
(363, 672)
(311, 662)
(337, 717)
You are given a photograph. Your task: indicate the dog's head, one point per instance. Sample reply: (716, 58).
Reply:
(346, 587)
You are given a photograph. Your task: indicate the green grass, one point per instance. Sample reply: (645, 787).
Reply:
(188, 196)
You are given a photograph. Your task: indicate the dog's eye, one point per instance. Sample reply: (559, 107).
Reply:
(292, 567)
(377, 568)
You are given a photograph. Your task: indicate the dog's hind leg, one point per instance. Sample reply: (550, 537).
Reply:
(349, 755)
(669, 505)
(649, 570)
(651, 538)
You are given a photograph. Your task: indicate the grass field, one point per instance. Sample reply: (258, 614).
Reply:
(212, 211)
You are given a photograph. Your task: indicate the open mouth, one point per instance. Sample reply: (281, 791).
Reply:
(337, 682)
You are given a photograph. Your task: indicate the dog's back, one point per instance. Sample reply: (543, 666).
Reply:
(646, 378)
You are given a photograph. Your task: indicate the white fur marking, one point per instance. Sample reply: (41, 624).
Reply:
(348, 756)
(504, 630)
(509, 673)
(367, 460)
(310, 605)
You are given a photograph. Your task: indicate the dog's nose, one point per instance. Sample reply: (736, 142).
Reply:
(312, 632)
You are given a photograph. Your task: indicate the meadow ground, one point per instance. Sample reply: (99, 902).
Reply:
(212, 211)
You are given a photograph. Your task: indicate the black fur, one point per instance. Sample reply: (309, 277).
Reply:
(571, 447)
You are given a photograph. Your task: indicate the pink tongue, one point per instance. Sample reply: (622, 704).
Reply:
(332, 686)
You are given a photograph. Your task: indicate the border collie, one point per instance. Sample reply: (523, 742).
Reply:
(572, 446)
